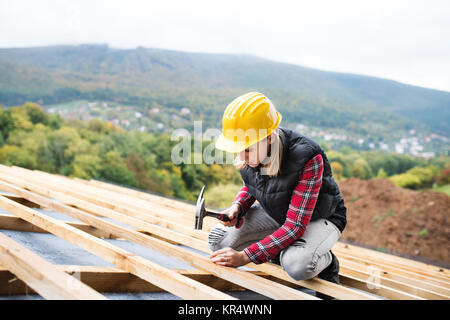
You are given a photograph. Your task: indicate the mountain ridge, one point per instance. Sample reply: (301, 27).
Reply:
(145, 72)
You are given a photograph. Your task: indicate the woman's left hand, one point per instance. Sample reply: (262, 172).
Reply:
(229, 257)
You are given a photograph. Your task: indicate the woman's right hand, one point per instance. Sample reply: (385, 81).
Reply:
(232, 212)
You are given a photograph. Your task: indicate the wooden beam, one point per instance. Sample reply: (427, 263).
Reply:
(400, 262)
(122, 201)
(172, 203)
(9, 222)
(120, 190)
(396, 277)
(147, 231)
(321, 287)
(263, 286)
(381, 290)
(380, 256)
(144, 213)
(39, 274)
(315, 284)
(153, 207)
(394, 293)
(203, 235)
(375, 279)
(165, 278)
(391, 269)
(112, 279)
(21, 200)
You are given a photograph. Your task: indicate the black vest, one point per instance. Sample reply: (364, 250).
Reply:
(274, 194)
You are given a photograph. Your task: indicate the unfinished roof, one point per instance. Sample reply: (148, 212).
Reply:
(68, 238)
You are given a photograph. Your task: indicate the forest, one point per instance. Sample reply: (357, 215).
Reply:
(96, 149)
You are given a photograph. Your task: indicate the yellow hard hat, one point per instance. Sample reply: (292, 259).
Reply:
(247, 120)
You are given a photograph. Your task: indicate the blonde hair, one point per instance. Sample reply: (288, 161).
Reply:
(271, 165)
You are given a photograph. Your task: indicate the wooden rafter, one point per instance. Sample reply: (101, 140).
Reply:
(262, 286)
(162, 222)
(165, 278)
(46, 279)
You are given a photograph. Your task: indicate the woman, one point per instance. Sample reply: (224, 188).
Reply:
(291, 207)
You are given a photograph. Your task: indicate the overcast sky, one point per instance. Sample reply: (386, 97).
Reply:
(407, 41)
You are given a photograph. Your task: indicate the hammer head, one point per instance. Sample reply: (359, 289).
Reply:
(200, 210)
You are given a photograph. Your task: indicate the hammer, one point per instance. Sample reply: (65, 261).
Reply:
(201, 212)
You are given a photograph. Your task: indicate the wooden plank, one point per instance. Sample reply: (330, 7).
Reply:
(263, 286)
(144, 210)
(112, 279)
(54, 195)
(378, 279)
(9, 222)
(315, 284)
(400, 262)
(381, 290)
(175, 204)
(397, 277)
(21, 200)
(408, 262)
(121, 190)
(63, 184)
(391, 269)
(39, 274)
(123, 198)
(165, 278)
(412, 288)
(203, 235)
(144, 213)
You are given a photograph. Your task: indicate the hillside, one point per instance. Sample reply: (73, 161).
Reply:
(384, 216)
(206, 82)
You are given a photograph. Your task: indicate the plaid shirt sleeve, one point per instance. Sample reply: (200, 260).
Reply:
(301, 207)
(244, 199)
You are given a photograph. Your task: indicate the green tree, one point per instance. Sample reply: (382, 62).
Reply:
(358, 171)
(381, 174)
(6, 125)
(85, 166)
(35, 113)
(15, 156)
(337, 170)
(406, 180)
(115, 170)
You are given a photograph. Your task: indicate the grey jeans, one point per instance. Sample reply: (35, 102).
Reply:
(304, 259)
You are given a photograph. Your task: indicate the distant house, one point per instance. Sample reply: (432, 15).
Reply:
(399, 148)
(428, 155)
(384, 146)
(185, 111)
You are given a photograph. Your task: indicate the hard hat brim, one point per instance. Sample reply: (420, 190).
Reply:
(224, 144)
(230, 146)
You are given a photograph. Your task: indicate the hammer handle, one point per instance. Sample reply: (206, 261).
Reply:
(220, 216)
(225, 217)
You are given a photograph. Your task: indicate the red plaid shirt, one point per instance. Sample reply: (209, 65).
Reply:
(301, 207)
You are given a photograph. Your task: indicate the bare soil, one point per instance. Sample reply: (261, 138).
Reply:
(396, 220)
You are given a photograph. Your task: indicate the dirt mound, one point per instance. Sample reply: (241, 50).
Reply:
(397, 220)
